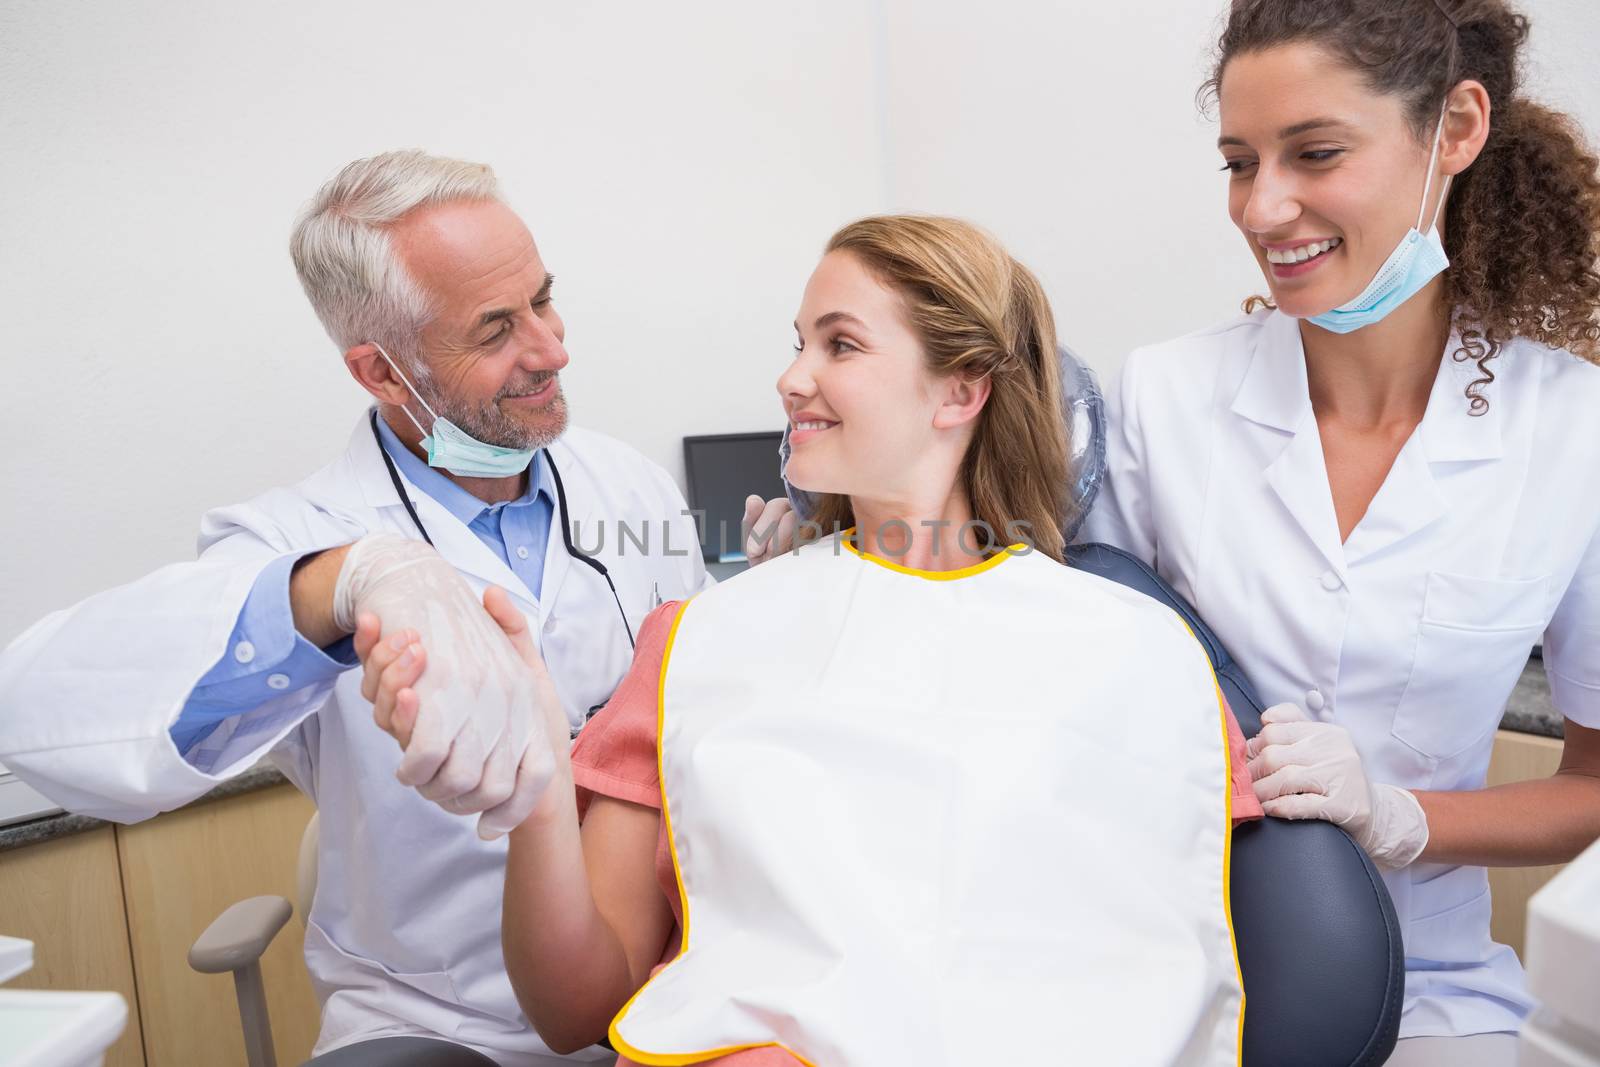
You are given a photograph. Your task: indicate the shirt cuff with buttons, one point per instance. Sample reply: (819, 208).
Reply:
(265, 658)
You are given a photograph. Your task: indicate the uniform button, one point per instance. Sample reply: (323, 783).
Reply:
(522, 551)
(1330, 581)
(244, 652)
(1314, 702)
(277, 681)
(550, 625)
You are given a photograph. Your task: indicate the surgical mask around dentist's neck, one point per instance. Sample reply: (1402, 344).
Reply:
(453, 449)
(1412, 265)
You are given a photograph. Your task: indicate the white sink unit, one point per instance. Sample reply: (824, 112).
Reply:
(45, 1028)
(1563, 961)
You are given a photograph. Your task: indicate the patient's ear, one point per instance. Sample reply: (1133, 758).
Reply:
(963, 400)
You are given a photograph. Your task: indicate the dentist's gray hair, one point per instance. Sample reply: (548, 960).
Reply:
(346, 261)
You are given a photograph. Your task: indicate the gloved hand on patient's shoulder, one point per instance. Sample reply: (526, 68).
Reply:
(1303, 769)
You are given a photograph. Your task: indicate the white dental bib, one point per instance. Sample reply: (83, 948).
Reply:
(921, 817)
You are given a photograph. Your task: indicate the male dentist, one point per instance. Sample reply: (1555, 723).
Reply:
(144, 697)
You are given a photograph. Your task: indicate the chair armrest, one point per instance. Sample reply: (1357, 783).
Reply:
(239, 936)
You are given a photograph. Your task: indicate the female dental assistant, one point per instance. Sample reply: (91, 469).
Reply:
(1379, 488)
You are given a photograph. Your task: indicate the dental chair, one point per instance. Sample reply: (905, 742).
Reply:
(1319, 944)
(233, 944)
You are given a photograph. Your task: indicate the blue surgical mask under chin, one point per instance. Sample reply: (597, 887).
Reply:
(1417, 261)
(453, 449)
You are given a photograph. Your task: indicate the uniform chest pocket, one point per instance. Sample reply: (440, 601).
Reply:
(1472, 644)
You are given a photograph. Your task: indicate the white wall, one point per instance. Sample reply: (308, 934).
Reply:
(680, 166)
(1070, 130)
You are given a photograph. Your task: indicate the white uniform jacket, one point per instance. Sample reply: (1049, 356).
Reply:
(1484, 536)
(404, 933)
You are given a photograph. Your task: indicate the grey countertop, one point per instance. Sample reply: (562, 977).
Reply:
(48, 827)
(1529, 711)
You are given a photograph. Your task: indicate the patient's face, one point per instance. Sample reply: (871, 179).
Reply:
(1317, 157)
(860, 400)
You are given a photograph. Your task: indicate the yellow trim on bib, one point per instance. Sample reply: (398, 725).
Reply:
(674, 1059)
(1227, 839)
(936, 576)
(661, 774)
(1227, 859)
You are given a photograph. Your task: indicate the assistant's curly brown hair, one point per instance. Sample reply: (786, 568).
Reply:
(1522, 224)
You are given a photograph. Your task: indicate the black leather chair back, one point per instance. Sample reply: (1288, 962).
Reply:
(1319, 944)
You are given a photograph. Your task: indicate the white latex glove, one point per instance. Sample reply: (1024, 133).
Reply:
(774, 517)
(478, 743)
(1303, 769)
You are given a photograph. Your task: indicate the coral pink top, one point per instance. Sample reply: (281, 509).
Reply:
(615, 756)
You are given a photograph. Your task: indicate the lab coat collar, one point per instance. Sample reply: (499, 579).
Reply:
(1450, 432)
(1275, 392)
(454, 540)
(460, 503)
(1411, 497)
(584, 478)
(584, 518)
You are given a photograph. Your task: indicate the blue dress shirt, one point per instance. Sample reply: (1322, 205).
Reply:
(266, 656)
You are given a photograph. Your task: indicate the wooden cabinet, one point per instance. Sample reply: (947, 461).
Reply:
(1518, 758)
(179, 871)
(66, 897)
(118, 907)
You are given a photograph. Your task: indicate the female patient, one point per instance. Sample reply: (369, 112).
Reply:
(895, 797)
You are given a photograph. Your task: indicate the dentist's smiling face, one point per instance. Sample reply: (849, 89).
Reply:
(1326, 174)
(494, 350)
(860, 400)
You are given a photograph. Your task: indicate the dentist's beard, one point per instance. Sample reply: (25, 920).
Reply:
(490, 424)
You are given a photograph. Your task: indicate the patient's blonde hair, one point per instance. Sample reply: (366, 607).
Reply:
(978, 312)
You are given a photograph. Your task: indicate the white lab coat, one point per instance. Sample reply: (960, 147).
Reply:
(404, 933)
(1411, 634)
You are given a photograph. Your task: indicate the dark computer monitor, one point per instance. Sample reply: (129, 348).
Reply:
(722, 469)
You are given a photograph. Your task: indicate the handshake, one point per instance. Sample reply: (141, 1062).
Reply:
(459, 684)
